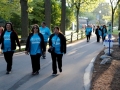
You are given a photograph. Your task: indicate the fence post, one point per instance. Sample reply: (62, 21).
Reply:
(81, 34)
(71, 36)
(77, 35)
(119, 39)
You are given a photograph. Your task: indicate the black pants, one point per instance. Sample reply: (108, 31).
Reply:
(98, 38)
(35, 61)
(103, 38)
(44, 55)
(88, 37)
(9, 59)
(56, 58)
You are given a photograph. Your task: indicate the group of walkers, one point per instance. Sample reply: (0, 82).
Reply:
(100, 31)
(35, 46)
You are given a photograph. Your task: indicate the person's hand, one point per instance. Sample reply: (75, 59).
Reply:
(26, 52)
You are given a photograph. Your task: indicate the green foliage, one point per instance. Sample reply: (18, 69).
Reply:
(69, 18)
(8, 7)
(116, 15)
(10, 11)
(15, 19)
(56, 14)
(103, 11)
(36, 14)
(115, 32)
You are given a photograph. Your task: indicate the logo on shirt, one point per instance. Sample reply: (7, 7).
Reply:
(6, 37)
(35, 40)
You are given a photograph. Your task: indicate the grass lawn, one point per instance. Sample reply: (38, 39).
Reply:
(115, 32)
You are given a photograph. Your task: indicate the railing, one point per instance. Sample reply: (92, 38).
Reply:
(74, 36)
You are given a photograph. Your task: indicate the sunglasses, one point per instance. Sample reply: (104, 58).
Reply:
(35, 27)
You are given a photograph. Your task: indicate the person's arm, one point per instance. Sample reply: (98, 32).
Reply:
(42, 42)
(49, 33)
(17, 40)
(65, 49)
(50, 42)
(27, 46)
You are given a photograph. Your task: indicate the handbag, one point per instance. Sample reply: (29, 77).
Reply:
(51, 50)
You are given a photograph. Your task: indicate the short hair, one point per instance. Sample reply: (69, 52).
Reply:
(57, 28)
(43, 23)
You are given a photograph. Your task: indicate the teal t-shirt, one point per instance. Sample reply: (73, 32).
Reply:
(45, 32)
(35, 45)
(88, 30)
(7, 41)
(56, 44)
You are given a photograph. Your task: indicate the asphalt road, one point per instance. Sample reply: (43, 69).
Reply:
(75, 61)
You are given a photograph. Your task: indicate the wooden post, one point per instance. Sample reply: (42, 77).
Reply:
(71, 36)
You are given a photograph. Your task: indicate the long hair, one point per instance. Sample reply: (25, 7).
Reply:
(2, 28)
(37, 26)
(10, 25)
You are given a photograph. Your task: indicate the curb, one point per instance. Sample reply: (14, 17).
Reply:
(88, 74)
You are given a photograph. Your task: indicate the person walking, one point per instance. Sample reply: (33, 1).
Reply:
(8, 41)
(45, 31)
(88, 31)
(94, 28)
(98, 33)
(58, 41)
(1, 31)
(104, 32)
(35, 47)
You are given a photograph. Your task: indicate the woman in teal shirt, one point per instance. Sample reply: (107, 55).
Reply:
(35, 47)
(58, 41)
(8, 40)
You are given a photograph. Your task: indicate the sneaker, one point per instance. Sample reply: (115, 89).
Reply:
(43, 57)
(35, 73)
(8, 72)
(54, 74)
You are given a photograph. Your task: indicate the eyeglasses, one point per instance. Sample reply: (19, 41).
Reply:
(35, 28)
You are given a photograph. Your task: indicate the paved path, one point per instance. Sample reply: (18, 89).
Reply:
(77, 58)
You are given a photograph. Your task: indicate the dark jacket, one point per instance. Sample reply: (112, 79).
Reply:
(42, 45)
(97, 31)
(103, 32)
(62, 42)
(14, 39)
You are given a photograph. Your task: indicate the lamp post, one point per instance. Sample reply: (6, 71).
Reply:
(99, 16)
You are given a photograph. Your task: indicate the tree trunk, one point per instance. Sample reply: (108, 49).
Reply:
(24, 20)
(48, 13)
(112, 19)
(119, 18)
(77, 20)
(63, 16)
